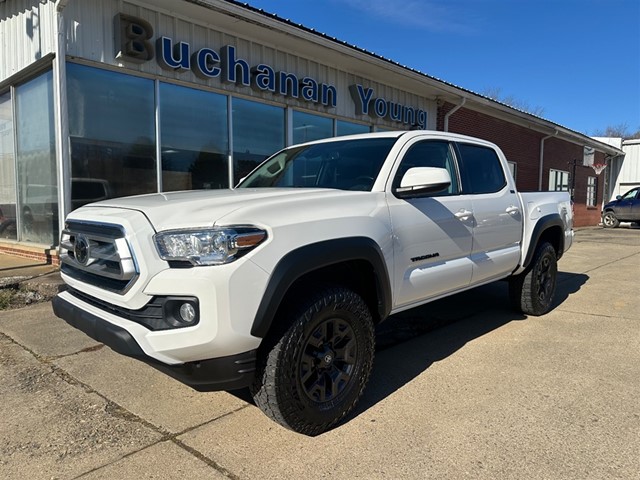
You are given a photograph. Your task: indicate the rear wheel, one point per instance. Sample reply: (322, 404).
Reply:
(609, 220)
(532, 292)
(313, 374)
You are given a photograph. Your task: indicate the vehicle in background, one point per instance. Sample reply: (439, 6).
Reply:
(625, 208)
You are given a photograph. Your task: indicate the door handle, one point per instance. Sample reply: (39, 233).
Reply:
(513, 210)
(463, 214)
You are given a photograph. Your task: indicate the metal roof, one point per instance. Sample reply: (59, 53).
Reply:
(479, 99)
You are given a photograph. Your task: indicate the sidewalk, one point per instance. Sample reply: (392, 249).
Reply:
(489, 395)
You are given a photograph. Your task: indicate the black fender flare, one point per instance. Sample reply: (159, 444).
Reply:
(542, 225)
(312, 257)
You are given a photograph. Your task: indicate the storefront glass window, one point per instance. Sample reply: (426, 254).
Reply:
(194, 138)
(7, 171)
(258, 132)
(348, 128)
(112, 134)
(308, 127)
(36, 162)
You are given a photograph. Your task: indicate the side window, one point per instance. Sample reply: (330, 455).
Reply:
(481, 169)
(631, 194)
(558, 181)
(429, 154)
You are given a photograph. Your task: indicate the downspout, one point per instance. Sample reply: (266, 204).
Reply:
(451, 112)
(63, 164)
(541, 168)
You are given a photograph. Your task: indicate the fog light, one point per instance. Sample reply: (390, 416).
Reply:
(180, 312)
(187, 313)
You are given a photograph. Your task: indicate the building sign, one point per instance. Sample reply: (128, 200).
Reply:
(134, 43)
(379, 107)
(207, 63)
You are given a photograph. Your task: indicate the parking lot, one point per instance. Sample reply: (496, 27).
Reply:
(461, 388)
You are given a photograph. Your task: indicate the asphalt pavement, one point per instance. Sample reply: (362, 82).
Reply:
(461, 388)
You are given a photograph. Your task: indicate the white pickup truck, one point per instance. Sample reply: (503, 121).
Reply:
(278, 284)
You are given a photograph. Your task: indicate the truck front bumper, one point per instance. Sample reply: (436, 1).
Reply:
(223, 373)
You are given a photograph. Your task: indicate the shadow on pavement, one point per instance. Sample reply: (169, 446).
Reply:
(568, 284)
(409, 342)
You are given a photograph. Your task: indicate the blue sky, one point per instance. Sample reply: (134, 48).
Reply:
(578, 60)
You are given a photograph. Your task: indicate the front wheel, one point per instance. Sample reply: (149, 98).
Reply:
(532, 291)
(609, 220)
(312, 376)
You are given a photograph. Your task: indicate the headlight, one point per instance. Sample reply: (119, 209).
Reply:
(213, 246)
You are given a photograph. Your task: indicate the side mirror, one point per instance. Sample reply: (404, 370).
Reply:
(423, 180)
(618, 197)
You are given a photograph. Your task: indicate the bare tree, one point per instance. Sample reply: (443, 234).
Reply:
(620, 130)
(495, 93)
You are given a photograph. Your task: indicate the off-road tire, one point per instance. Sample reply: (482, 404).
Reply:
(312, 375)
(532, 291)
(609, 220)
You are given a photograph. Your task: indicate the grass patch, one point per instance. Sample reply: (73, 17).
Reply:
(11, 297)
(5, 298)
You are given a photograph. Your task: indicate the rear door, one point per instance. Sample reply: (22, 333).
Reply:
(635, 208)
(498, 222)
(432, 233)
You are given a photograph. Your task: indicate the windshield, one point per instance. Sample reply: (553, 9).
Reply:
(344, 165)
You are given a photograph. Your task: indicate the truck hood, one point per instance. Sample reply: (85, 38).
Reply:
(205, 208)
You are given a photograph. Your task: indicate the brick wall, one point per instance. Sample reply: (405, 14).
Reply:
(46, 255)
(521, 145)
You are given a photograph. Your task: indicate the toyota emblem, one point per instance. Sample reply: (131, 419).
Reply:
(81, 249)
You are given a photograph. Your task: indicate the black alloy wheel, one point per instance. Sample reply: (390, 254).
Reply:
(545, 281)
(532, 291)
(312, 372)
(328, 360)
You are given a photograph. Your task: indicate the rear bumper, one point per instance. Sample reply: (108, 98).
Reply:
(223, 373)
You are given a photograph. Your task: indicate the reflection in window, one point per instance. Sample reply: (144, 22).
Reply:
(348, 128)
(308, 127)
(194, 139)
(7, 171)
(36, 162)
(258, 132)
(429, 154)
(482, 169)
(112, 133)
(345, 165)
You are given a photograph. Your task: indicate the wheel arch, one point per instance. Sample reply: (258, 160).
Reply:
(549, 228)
(355, 262)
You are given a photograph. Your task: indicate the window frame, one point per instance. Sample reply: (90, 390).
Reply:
(466, 182)
(555, 172)
(592, 191)
(455, 167)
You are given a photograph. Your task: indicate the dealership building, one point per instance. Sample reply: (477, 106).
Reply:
(108, 98)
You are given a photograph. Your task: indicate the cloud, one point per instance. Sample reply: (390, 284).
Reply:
(427, 14)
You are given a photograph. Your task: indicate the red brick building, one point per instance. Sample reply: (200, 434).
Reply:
(535, 155)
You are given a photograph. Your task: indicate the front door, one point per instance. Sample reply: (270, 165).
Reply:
(432, 233)
(628, 207)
